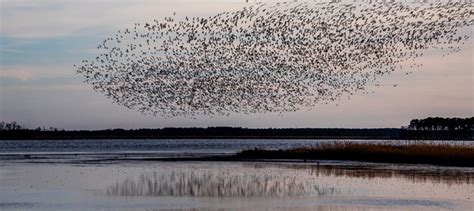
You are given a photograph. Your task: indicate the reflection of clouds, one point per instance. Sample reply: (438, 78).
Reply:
(217, 184)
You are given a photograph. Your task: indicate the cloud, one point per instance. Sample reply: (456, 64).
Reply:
(34, 52)
(20, 74)
(25, 72)
(41, 40)
(37, 79)
(53, 18)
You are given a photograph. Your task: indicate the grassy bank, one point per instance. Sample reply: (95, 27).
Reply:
(414, 154)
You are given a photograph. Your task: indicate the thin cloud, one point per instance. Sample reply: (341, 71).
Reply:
(53, 18)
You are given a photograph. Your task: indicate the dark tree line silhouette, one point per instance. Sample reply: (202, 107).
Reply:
(439, 123)
(14, 126)
(10, 126)
(425, 129)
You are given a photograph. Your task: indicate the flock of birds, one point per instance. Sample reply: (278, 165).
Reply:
(270, 57)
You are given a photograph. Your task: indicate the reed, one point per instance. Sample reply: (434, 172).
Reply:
(420, 153)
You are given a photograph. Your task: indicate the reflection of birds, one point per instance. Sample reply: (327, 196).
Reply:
(269, 57)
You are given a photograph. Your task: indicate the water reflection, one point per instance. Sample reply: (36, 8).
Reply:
(273, 180)
(415, 174)
(234, 186)
(216, 184)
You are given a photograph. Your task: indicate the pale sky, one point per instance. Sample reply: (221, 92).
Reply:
(40, 42)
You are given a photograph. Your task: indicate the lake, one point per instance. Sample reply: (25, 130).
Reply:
(177, 146)
(89, 175)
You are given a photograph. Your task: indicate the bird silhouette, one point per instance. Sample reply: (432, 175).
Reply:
(270, 57)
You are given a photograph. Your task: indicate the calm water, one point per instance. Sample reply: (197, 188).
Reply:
(175, 145)
(243, 186)
(85, 175)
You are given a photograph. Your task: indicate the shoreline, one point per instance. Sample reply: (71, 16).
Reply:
(112, 159)
(296, 160)
(232, 138)
(241, 133)
(423, 154)
(408, 152)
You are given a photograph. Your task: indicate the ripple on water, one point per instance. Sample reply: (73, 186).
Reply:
(17, 205)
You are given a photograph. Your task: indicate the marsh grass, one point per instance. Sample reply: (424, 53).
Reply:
(419, 153)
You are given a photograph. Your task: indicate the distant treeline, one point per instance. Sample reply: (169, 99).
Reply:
(228, 132)
(439, 123)
(430, 128)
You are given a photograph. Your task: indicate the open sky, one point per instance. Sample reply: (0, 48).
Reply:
(40, 41)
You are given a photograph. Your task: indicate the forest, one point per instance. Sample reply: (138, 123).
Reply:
(433, 128)
(439, 123)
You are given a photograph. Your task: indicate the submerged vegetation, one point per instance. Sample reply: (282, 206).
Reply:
(449, 155)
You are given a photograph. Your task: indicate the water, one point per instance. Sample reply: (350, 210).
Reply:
(177, 146)
(226, 185)
(89, 175)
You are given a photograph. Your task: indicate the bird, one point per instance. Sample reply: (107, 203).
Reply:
(269, 57)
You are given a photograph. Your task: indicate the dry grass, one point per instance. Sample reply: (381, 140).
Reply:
(449, 155)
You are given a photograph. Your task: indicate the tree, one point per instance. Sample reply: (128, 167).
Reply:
(439, 123)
